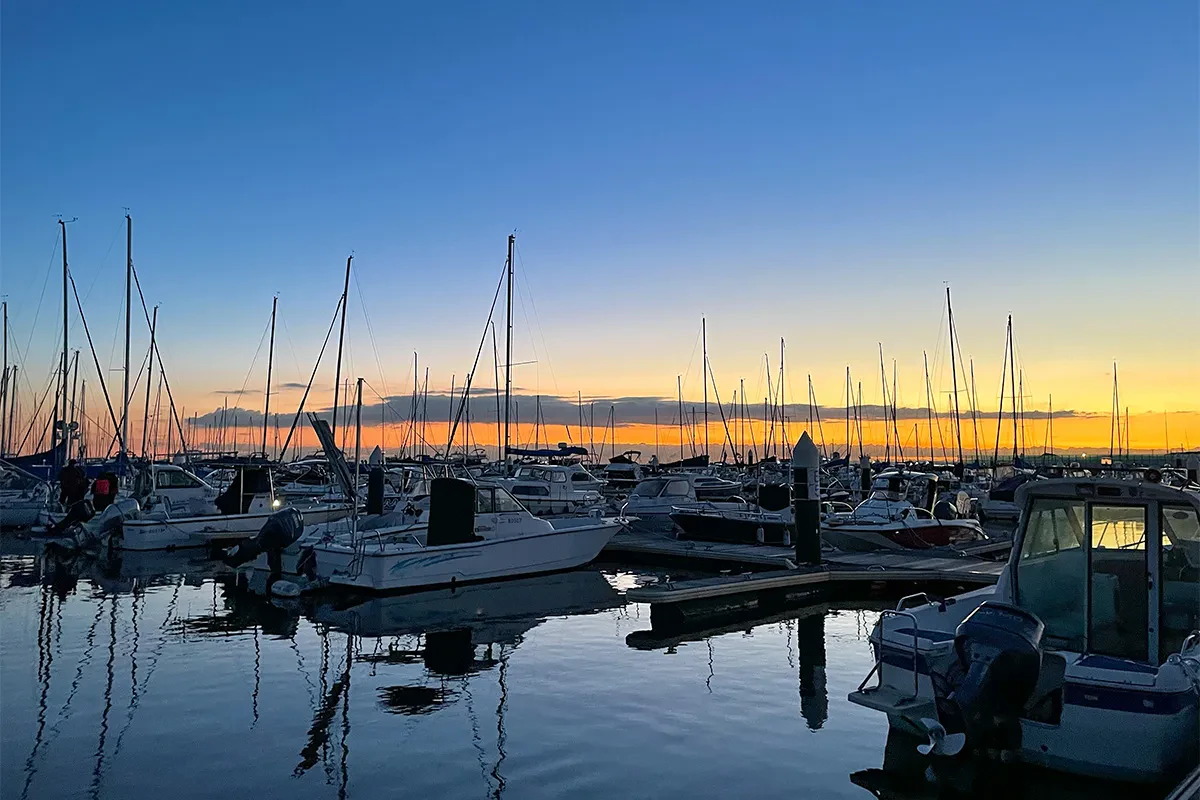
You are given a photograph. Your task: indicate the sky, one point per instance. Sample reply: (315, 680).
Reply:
(816, 172)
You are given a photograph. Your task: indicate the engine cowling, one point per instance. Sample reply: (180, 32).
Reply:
(999, 652)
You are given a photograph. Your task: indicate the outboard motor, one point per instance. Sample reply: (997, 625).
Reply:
(280, 530)
(999, 652)
(944, 509)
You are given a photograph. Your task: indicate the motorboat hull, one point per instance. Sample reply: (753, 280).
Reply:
(742, 527)
(394, 566)
(905, 534)
(171, 534)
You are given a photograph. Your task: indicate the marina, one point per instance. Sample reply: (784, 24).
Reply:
(672, 400)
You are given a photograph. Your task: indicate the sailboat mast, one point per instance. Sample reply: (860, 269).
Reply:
(270, 365)
(954, 372)
(7, 389)
(66, 345)
(974, 412)
(496, 365)
(848, 400)
(928, 409)
(704, 344)
(1012, 377)
(128, 309)
(337, 376)
(679, 395)
(887, 428)
(357, 449)
(512, 240)
(149, 372)
(1003, 379)
(783, 396)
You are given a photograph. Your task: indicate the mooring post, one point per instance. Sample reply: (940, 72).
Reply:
(806, 500)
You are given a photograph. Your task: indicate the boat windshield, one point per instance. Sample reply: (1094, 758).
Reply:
(651, 488)
(1051, 575)
(532, 474)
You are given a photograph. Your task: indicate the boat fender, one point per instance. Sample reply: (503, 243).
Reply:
(759, 535)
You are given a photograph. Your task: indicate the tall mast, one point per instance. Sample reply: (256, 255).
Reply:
(704, 342)
(1003, 379)
(679, 394)
(337, 377)
(149, 372)
(7, 389)
(1012, 377)
(83, 427)
(496, 363)
(783, 396)
(1114, 426)
(512, 240)
(887, 428)
(954, 372)
(128, 309)
(270, 364)
(974, 412)
(848, 400)
(357, 450)
(928, 409)
(54, 426)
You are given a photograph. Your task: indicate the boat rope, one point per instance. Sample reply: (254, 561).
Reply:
(308, 388)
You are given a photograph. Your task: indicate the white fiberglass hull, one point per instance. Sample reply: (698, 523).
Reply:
(900, 534)
(21, 514)
(170, 534)
(412, 566)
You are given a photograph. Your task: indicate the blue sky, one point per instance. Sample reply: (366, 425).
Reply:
(816, 171)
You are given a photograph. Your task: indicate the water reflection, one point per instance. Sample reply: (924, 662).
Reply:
(155, 656)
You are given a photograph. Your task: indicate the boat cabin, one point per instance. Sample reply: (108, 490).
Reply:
(173, 490)
(1111, 567)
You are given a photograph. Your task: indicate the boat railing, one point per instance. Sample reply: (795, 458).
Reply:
(878, 667)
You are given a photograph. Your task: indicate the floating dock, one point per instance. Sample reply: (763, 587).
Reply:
(776, 583)
(721, 555)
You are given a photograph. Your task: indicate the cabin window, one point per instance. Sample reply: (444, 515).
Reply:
(505, 503)
(1179, 582)
(531, 491)
(1052, 570)
(170, 479)
(579, 476)
(677, 489)
(1118, 623)
(485, 501)
(558, 477)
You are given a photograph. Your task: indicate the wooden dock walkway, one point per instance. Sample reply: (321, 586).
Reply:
(775, 581)
(716, 555)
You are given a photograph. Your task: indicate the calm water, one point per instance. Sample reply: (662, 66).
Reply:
(156, 676)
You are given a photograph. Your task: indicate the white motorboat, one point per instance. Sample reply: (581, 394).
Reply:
(23, 498)
(711, 487)
(1085, 656)
(473, 533)
(902, 512)
(180, 510)
(622, 474)
(547, 489)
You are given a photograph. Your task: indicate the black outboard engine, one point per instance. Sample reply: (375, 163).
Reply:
(999, 651)
(280, 530)
(945, 510)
